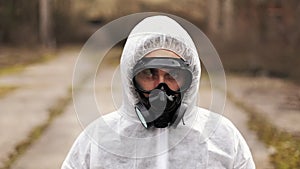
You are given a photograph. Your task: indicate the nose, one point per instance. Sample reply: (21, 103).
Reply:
(160, 77)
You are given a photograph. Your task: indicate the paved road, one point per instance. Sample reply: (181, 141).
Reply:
(43, 84)
(40, 86)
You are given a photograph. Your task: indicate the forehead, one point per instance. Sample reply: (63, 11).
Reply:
(162, 53)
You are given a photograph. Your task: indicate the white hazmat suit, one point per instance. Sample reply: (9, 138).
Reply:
(118, 140)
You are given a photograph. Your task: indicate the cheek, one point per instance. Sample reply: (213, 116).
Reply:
(173, 86)
(144, 85)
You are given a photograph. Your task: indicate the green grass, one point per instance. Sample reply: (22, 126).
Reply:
(11, 69)
(286, 146)
(4, 90)
(18, 66)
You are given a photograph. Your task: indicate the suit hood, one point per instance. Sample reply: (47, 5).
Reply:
(154, 33)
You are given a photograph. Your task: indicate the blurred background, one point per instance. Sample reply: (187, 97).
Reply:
(253, 36)
(257, 40)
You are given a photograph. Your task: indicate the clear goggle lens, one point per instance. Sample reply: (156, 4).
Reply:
(177, 79)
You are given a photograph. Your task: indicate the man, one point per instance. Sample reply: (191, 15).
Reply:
(159, 124)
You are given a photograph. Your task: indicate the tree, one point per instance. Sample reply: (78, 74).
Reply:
(45, 26)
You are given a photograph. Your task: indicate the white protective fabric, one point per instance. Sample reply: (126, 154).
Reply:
(118, 140)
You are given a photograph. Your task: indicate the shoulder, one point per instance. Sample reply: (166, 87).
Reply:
(222, 135)
(207, 120)
(80, 152)
(214, 120)
(216, 129)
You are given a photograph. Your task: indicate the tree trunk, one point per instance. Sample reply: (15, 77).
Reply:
(228, 19)
(213, 17)
(45, 23)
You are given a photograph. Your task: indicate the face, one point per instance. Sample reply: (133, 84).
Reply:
(148, 79)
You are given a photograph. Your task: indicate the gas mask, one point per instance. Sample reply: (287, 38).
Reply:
(161, 83)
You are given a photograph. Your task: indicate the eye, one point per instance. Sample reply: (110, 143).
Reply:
(147, 72)
(174, 74)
